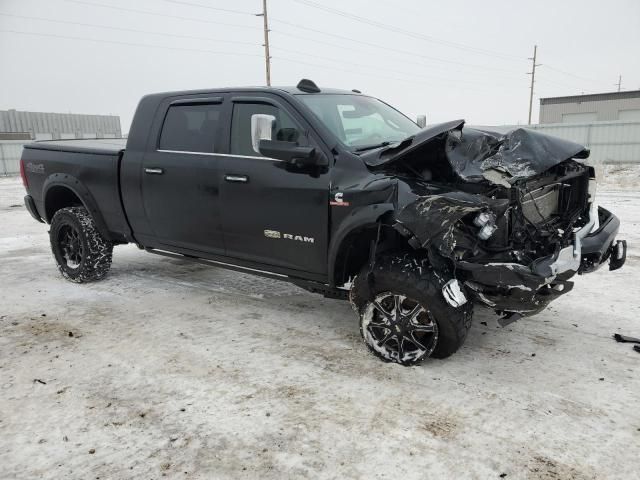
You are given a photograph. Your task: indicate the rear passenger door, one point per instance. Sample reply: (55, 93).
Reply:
(181, 176)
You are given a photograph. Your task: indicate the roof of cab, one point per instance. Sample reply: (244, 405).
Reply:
(291, 90)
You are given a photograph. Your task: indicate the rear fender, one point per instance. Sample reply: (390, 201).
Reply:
(72, 184)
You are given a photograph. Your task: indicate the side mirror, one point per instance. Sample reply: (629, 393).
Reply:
(261, 129)
(293, 154)
(421, 121)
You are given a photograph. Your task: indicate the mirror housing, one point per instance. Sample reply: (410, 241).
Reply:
(261, 129)
(293, 154)
(421, 121)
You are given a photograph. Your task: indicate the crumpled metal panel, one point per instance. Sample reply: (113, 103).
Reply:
(521, 153)
(480, 155)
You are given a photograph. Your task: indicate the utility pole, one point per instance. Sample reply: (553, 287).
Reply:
(619, 82)
(533, 78)
(267, 56)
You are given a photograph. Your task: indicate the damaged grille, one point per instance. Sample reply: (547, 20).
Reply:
(541, 204)
(562, 200)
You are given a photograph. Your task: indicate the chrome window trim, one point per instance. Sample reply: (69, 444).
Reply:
(185, 152)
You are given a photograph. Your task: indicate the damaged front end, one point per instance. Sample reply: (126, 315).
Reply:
(512, 216)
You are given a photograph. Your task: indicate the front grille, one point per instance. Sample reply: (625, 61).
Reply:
(541, 204)
(563, 200)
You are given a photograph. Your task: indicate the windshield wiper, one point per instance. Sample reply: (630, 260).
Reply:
(371, 147)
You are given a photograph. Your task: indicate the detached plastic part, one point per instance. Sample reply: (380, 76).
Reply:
(624, 339)
(453, 294)
(618, 255)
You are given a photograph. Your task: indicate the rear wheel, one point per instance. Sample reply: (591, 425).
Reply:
(81, 252)
(404, 317)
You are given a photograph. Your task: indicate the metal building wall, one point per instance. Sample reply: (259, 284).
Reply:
(43, 125)
(605, 107)
(609, 142)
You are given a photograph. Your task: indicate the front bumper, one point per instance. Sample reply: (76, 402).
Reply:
(512, 287)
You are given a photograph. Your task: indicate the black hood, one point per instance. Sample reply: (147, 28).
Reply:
(480, 155)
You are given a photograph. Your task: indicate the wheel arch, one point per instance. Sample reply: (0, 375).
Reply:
(350, 247)
(63, 190)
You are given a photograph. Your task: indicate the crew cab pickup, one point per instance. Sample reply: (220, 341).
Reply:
(339, 193)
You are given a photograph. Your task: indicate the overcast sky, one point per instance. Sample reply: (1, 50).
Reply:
(448, 60)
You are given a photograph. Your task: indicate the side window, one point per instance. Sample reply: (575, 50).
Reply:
(285, 127)
(191, 128)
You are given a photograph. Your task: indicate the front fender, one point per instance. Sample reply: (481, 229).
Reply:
(368, 215)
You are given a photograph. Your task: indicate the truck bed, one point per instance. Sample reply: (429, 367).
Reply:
(99, 146)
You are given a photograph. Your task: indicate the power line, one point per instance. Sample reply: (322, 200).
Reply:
(377, 68)
(133, 44)
(413, 79)
(219, 9)
(146, 12)
(381, 47)
(572, 74)
(402, 31)
(122, 29)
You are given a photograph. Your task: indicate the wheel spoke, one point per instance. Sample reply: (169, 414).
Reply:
(385, 339)
(423, 328)
(414, 312)
(398, 299)
(417, 343)
(400, 348)
(381, 309)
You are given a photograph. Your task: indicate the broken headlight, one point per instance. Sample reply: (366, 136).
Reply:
(487, 223)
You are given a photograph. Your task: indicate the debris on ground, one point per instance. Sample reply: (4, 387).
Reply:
(625, 339)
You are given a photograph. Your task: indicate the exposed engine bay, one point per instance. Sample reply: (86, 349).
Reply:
(511, 217)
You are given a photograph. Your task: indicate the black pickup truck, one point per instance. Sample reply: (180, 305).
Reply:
(339, 193)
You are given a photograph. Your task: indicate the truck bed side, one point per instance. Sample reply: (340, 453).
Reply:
(68, 172)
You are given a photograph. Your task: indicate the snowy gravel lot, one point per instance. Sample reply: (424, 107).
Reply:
(170, 369)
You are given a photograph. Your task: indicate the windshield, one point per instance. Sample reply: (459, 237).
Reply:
(360, 122)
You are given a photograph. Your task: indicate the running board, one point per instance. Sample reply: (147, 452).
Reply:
(309, 285)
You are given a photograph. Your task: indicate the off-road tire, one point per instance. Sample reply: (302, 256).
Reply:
(94, 251)
(407, 275)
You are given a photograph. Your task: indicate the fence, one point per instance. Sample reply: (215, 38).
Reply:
(10, 153)
(609, 142)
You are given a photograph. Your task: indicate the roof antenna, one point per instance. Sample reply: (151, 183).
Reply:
(308, 86)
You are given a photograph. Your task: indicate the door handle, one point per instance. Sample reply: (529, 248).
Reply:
(154, 171)
(236, 178)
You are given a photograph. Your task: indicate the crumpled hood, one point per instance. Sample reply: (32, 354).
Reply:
(479, 155)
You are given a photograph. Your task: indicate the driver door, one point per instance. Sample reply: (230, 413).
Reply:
(270, 214)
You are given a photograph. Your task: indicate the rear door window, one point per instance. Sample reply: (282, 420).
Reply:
(191, 128)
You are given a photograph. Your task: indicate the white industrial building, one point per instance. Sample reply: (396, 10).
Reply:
(18, 128)
(55, 126)
(597, 107)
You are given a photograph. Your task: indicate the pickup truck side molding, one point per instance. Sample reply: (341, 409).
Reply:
(184, 152)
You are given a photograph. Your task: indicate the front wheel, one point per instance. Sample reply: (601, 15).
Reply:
(404, 317)
(81, 252)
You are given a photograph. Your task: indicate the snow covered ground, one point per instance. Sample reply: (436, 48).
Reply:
(185, 371)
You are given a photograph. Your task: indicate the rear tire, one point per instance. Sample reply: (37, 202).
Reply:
(409, 286)
(81, 252)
